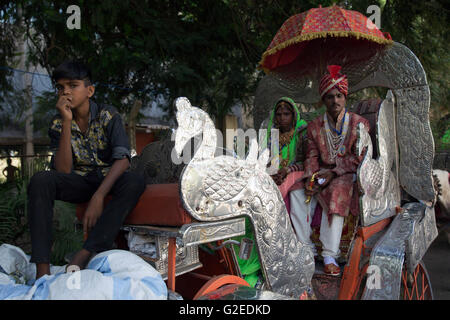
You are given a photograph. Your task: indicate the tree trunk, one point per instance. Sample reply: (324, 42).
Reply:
(29, 146)
(27, 91)
(132, 125)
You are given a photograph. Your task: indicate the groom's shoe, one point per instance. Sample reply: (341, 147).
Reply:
(332, 270)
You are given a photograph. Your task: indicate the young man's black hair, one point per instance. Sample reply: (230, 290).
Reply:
(72, 70)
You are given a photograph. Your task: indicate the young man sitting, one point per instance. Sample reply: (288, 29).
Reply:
(331, 155)
(90, 160)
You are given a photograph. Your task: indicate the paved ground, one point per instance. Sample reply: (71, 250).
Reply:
(437, 262)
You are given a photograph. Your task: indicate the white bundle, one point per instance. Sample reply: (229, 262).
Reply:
(110, 275)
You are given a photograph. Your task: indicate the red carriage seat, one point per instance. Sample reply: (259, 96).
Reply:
(159, 205)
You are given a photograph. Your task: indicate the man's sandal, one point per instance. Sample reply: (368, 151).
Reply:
(332, 270)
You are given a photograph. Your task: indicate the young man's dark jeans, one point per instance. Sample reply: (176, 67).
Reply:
(47, 186)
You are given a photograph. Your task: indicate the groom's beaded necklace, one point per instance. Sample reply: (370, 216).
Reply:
(335, 139)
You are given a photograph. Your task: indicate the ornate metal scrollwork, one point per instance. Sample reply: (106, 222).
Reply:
(400, 70)
(415, 142)
(376, 177)
(388, 257)
(408, 236)
(187, 258)
(198, 233)
(425, 231)
(218, 188)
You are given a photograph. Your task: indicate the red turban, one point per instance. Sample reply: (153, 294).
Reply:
(333, 80)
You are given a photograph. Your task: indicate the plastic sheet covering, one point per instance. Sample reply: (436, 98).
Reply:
(110, 275)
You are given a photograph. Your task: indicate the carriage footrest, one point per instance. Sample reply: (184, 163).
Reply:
(152, 242)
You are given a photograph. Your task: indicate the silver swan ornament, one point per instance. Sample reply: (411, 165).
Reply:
(218, 188)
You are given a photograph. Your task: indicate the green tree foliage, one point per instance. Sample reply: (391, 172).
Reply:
(13, 203)
(148, 48)
(423, 27)
(207, 50)
(14, 227)
(8, 34)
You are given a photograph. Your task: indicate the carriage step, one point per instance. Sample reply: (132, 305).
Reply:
(326, 287)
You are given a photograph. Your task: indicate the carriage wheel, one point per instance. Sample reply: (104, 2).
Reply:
(220, 281)
(416, 285)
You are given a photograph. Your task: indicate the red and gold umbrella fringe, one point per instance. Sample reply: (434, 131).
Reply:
(322, 34)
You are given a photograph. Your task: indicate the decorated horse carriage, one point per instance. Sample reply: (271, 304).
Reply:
(186, 221)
